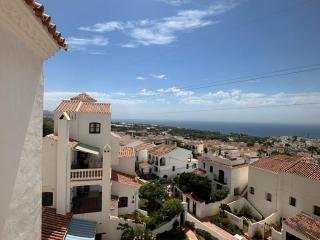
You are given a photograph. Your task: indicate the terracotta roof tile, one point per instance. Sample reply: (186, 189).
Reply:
(83, 103)
(144, 146)
(83, 97)
(193, 197)
(200, 172)
(38, 11)
(162, 149)
(304, 169)
(72, 143)
(54, 226)
(124, 178)
(126, 152)
(305, 224)
(275, 164)
(126, 141)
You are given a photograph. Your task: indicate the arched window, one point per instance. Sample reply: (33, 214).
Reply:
(173, 168)
(123, 202)
(162, 161)
(187, 167)
(94, 128)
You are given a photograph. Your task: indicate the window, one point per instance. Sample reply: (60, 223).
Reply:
(236, 191)
(204, 165)
(194, 165)
(173, 168)
(187, 167)
(292, 201)
(47, 199)
(316, 210)
(269, 197)
(252, 190)
(94, 127)
(211, 169)
(123, 202)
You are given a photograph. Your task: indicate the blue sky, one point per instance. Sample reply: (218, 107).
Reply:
(149, 57)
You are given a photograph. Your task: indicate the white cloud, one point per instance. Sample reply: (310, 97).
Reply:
(160, 76)
(96, 41)
(118, 93)
(145, 92)
(140, 78)
(104, 27)
(174, 2)
(176, 91)
(164, 31)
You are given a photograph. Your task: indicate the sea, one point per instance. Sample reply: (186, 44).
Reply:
(253, 129)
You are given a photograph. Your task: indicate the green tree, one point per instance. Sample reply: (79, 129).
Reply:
(154, 193)
(171, 208)
(47, 126)
(129, 233)
(221, 193)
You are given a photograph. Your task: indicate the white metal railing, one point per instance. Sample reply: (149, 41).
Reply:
(86, 174)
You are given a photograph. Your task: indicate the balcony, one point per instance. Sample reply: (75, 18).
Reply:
(220, 180)
(86, 174)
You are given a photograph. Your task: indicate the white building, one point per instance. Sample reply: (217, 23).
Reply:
(85, 171)
(169, 160)
(28, 38)
(289, 187)
(230, 172)
(197, 147)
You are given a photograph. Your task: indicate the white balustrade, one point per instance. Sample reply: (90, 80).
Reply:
(86, 174)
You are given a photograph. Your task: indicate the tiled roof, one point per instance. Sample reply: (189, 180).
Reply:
(126, 152)
(305, 224)
(162, 149)
(83, 103)
(83, 97)
(124, 178)
(275, 164)
(290, 165)
(54, 226)
(145, 164)
(304, 169)
(126, 141)
(72, 143)
(144, 146)
(38, 11)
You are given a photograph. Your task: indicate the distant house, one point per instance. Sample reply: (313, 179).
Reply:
(169, 161)
(197, 147)
(28, 37)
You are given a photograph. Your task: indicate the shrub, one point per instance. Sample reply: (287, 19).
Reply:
(171, 208)
(245, 211)
(205, 234)
(154, 193)
(221, 194)
(128, 233)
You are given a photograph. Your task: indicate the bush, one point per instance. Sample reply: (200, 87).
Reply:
(205, 234)
(154, 193)
(245, 211)
(221, 194)
(128, 233)
(171, 208)
(199, 185)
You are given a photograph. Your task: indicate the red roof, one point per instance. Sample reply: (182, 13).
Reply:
(54, 226)
(38, 11)
(124, 178)
(144, 146)
(290, 165)
(200, 172)
(193, 197)
(275, 164)
(145, 164)
(72, 142)
(83, 97)
(305, 224)
(304, 169)
(126, 152)
(162, 149)
(83, 103)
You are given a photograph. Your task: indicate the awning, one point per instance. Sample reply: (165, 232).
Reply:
(86, 148)
(81, 230)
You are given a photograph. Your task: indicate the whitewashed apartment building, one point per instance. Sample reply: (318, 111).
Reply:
(85, 171)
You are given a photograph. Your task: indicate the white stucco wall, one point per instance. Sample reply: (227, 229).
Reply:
(126, 165)
(123, 190)
(21, 102)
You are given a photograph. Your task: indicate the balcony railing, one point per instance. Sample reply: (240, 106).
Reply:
(86, 174)
(220, 180)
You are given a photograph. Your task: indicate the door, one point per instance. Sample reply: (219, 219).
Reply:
(194, 208)
(188, 204)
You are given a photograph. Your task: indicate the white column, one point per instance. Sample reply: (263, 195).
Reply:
(62, 160)
(106, 183)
